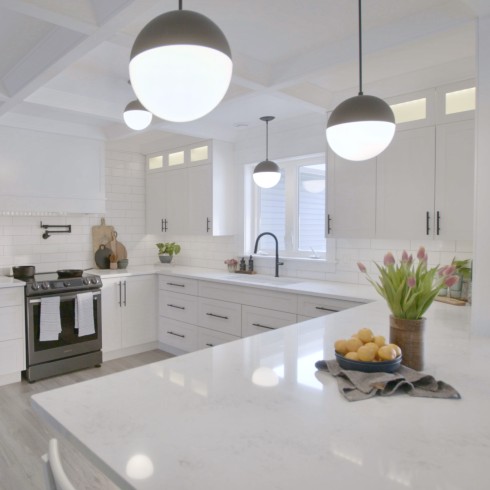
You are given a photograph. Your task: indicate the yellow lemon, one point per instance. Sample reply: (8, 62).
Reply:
(386, 353)
(366, 353)
(340, 346)
(372, 346)
(366, 335)
(379, 340)
(353, 344)
(397, 349)
(352, 356)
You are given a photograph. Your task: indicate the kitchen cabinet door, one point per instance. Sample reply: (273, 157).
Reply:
(111, 314)
(405, 185)
(139, 318)
(200, 200)
(167, 202)
(351, 202)
(455, 163)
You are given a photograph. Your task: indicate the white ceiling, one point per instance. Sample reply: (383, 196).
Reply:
(64, 63)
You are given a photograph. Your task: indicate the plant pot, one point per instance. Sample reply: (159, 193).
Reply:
(409, 336)
(165, 259)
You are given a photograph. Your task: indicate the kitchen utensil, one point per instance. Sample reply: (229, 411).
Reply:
(102, 257)
(101, 234)
(23, 271)
(68, 273)
(369, 367)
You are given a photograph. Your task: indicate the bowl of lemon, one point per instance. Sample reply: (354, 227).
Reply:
(367, 352)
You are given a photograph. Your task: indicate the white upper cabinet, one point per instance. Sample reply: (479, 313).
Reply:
(455, 162)
(351, 198)
(405, 185)
(191, 190)
(48, 172)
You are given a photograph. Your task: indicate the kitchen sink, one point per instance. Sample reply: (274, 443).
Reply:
(260, 279)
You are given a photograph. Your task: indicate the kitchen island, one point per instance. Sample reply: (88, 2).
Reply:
(256, 414)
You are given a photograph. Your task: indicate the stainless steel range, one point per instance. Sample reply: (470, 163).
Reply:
(63, 324)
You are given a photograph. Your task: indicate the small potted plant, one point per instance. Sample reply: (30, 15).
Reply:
(167, 250)
(232, 264)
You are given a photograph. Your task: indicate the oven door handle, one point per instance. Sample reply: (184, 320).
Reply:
(70, 297)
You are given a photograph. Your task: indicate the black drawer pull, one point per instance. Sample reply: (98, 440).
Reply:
(175, 284)
(210, 345)
(262, 326)
(325, 309)
(175, 306)
(176, 334)
(217, 316)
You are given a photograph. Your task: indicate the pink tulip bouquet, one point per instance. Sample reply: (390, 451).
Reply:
(410, 288)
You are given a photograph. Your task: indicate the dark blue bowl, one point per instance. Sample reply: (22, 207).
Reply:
(369, 367)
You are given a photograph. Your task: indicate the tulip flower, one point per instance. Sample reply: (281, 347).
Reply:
(389, 259)
(405, 257)
(411, 282)
(362, 267)
(421, 255)
(451, 281)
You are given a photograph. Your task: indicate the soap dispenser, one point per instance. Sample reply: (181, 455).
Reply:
(250, 264)
(243, 266)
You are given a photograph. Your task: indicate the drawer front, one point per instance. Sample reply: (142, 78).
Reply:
(248, 295)
(260, 320)
(314, 306)
(222, 316)
(210, 338)
(177, 334)
(12, 323)
(178, 284)
(12, 297)
(12, 358)
(182, 307)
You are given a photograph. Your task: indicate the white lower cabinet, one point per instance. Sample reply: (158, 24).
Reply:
(210, 338)
(259, 320)
(177, 334)
(12, 334)
(221, 316)
(129, 312)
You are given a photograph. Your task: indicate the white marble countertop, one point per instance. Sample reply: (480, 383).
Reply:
(206, 421)
(10, 282)
(355, 292)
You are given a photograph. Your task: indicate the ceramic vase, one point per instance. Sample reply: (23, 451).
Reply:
(409, 336)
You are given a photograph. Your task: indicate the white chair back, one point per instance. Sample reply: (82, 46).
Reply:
(54, 475)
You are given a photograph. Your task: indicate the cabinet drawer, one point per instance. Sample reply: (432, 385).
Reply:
(182, 307)
(221, 316)
(178, 284)
(177, 334)
(210, 338)
(12, 297)
(248, 295)
(260, 320)
(314, 306)
(11, 323)
(12, 356)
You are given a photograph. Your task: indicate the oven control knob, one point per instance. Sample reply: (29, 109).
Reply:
(35, 286)
(93, 280)
(45, 285)
(66, 284)
(86, 280)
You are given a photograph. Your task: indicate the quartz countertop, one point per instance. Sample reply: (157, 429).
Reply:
(256, 414)
(354, 292)
(10, 282)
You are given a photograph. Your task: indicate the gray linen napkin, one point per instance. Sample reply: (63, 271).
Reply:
(356, 385)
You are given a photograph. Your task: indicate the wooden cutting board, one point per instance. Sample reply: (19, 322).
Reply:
(117, 247)
(101, 235)
(450, 301)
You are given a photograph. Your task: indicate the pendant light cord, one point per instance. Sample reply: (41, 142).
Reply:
(267, 140)
(360, 50)
(180, 4)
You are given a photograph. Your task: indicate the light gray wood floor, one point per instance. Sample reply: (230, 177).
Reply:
(24, 436)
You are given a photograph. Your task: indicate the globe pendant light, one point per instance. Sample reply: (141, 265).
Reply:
(136, 116)
(180, 66)
(267, 173)
(363, 126)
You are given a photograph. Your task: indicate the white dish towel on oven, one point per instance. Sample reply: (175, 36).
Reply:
(84, 314)
(50, 326)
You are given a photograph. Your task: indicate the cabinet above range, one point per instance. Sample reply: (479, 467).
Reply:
(191, 190)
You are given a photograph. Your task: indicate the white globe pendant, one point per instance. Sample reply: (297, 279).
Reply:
(267, 173)
(136, 116)
(180, 67)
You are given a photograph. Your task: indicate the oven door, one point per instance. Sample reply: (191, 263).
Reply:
(69, 343)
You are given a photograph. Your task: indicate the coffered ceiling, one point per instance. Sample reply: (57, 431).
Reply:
(64, 63)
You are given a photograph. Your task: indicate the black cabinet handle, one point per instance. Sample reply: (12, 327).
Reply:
(120, 293)
(218, 316)
(175, 284)
(164, 224)
(175, 306)
(427, 223)
(438, 223)
(329, 228)
(325, 309)
(125, 296)
(208, 225)
(210, 345)
(262, 326)
(176, 334)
